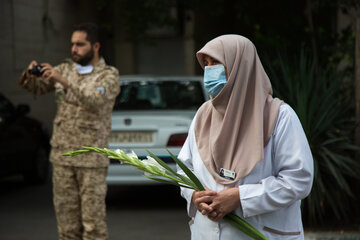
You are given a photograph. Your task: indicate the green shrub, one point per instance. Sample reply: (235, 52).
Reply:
(324, 104)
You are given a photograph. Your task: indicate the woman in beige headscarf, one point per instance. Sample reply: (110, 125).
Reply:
(246, 147)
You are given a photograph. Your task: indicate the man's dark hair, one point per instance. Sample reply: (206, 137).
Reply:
(91, 29)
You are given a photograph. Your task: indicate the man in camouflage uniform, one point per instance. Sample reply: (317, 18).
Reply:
(85, 89)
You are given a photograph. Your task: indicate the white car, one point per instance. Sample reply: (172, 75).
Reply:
(152, 113)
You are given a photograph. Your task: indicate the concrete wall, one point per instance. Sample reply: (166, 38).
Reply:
(32, 30)
(41, 29)
(166, 52)
(155, 58)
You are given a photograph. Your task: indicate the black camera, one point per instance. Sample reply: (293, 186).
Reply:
(36, 70)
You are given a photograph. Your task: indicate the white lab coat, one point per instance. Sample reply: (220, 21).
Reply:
(270, 195)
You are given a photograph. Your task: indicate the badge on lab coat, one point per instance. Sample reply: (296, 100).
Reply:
(228, 174)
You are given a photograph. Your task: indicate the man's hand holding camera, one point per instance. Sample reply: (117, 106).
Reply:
(47, 72)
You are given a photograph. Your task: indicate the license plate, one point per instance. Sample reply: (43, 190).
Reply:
(131, 137)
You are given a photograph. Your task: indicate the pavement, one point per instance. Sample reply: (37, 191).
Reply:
(26, 213)
(332, 235)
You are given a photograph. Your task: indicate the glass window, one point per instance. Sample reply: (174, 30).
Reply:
(166, 95)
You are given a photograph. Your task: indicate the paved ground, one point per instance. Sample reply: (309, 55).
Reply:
(155, 213)
(332, 236)
(26, 212)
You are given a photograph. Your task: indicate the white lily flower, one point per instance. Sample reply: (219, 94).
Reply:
(132, 155)
(118, 151)
(152, 162)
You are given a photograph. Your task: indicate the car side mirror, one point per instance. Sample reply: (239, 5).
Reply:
(22, 109)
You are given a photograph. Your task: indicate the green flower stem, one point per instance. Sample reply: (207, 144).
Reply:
(246, 227)
(189, 181)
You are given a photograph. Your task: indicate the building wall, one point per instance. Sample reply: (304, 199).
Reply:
(32, 30)
(166, 51)
(155, 58)
(41, 29)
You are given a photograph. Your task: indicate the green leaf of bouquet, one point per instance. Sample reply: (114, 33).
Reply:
(188, 172)
(242, 222)
(113, 154)
(95, 149)
(240, 227)
(185, 179)
(243, 229)
(74, 153)
(162, 163)
(167, 181)
(244, 226)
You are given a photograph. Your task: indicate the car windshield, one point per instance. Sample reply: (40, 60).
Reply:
(167, 95)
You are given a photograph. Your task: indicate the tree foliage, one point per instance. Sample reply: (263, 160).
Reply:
(324, 104)
(311, 84)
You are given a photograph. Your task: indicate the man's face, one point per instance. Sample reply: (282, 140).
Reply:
(82, 51)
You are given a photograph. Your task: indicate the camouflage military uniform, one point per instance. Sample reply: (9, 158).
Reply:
(83, 118)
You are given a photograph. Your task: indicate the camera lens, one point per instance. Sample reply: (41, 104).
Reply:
(36, 70)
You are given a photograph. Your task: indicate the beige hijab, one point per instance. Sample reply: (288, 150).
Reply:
(232, 129)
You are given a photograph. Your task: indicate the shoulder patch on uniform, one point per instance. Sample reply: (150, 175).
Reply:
(102, 89)
(59, 96)
(107, 84)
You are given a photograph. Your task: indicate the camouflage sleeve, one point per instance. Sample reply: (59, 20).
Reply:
(105, 88)
(35, 85)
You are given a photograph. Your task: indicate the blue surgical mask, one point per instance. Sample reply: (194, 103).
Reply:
(214, 79)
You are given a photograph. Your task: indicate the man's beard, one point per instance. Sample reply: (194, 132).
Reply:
(86, 59)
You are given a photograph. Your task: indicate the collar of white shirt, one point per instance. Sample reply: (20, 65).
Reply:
(84, 69)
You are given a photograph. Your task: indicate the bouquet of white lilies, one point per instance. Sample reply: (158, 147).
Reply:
(158, 170)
